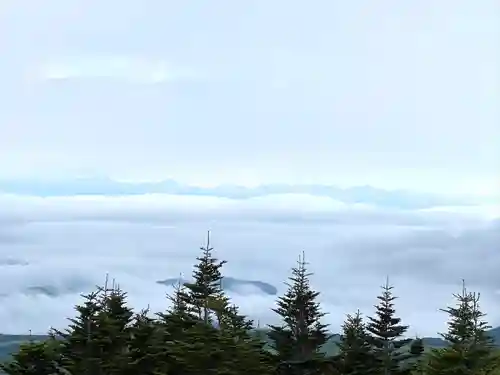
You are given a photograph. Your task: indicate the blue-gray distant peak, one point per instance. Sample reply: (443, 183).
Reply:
(105, 186)
(231, 284)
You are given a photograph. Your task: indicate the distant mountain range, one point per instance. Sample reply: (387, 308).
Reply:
(105, 186)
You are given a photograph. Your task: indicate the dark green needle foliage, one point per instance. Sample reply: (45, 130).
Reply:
(470, 350)
(298, 340)
(355, 353)
(386, 335)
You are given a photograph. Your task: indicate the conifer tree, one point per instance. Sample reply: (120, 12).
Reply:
(80, 352)
(199, 346)
(179, 316)
(355, 354)
(244, 353)
(33, 358)
(470, 350)
(386, 335)
(114, 323)
(96, 341)
(145, 349)
(178, 328)
(301, 335)
(417, 353)
(207, 282)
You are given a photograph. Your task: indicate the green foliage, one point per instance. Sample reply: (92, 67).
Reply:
(385, 335)
(471, 350)
(207, 283)
(204, 333)
(96, 342)
(355, 353)
(301, 335)
(33, 358)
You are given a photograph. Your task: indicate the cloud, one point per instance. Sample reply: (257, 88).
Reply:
(365, 95)
(169, 208)
(68, 244)
(324, 196)
(118, 68)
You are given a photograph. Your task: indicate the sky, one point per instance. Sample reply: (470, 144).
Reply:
(391, 94)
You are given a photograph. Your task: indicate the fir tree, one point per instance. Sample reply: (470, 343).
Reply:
(33, 358)
(178, 328)
(80, 352)
(355, 355)
(207, 277)
(417, 350)
(96, 341)
(299, 339)
(145, 348)
(114, 323)
(193, 344)
(244, 353)
(386, 335)
(470, 350)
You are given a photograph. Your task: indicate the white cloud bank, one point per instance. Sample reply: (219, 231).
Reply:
(70, 243)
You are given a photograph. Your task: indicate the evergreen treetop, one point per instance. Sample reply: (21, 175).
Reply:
(301, 334)
(385, 334)
(355, 355)
(207, 281)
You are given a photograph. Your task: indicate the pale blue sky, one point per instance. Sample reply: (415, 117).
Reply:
(389, 93)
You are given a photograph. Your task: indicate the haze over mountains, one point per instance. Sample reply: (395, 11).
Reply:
(277, 138)
(360, 194)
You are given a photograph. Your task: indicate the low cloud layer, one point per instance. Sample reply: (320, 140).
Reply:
(69, 244)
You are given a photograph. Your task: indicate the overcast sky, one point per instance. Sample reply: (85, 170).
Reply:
(389, 93)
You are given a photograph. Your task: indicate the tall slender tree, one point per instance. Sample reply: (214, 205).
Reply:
(470, 349)
(207, 283)
(385, 334)
(80, 342)
(355, 355)
(302, 334)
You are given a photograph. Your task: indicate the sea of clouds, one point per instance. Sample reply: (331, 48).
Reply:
(69, 244)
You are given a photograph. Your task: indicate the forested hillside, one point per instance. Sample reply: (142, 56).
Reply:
(203, 332)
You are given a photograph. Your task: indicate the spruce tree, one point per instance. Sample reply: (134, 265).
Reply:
(96, 341)
(298, 340)
(244, 353)
(145, 349)
(194, 345)
(355, 356)
(114, 323)
(33, 358)
(417, 350)
(80, 351)
(470, 350)
(178, 329)
(179, 316)
(207, 282)
(385, 335)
